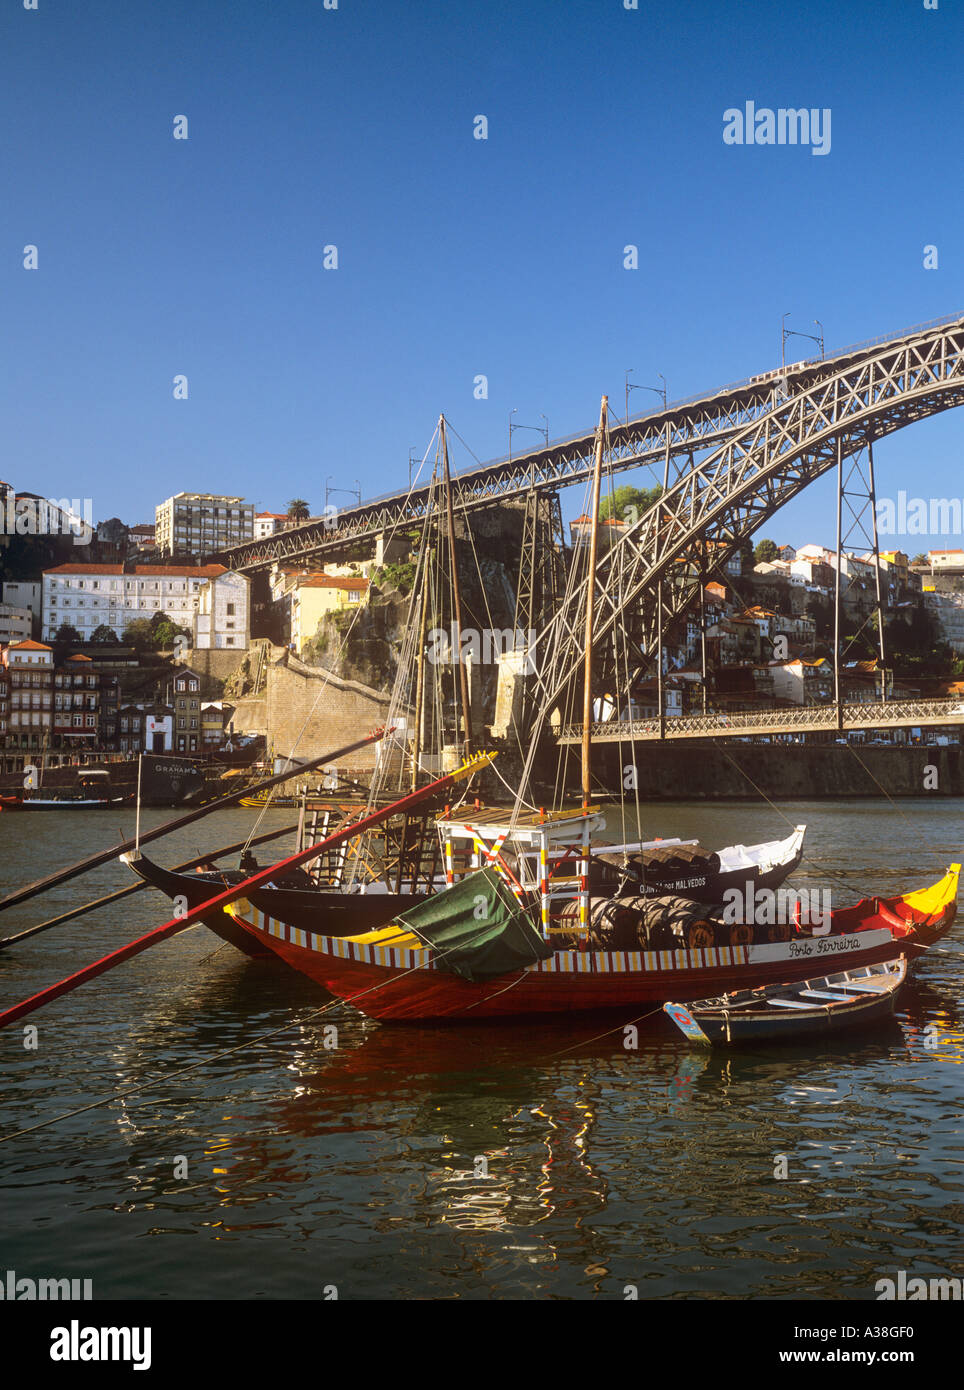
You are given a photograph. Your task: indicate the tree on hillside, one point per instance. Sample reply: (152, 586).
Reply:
(628, 503)
(103, 634)
(138, 634)
(166, 634)
(66, 635)
(298, 509)
(766, 550)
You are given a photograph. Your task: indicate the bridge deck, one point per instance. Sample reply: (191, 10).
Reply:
(896, 714)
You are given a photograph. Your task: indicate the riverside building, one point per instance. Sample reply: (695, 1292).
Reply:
(92, 596)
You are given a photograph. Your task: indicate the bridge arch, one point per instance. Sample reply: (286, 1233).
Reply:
(726, 496)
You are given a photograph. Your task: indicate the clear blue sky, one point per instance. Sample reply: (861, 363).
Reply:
(457, 257)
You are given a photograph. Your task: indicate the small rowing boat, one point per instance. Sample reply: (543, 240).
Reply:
(789, 1012)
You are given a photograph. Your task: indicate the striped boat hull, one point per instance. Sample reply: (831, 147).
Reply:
(395, 983)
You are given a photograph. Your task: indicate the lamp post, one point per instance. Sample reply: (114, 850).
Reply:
(539, 429)
(351, 492)
(632, 386)
(792, 333)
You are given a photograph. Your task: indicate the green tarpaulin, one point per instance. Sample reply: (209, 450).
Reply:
(479, 926)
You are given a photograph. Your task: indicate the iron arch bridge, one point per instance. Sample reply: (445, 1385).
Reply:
(668, 439)
(816, 419)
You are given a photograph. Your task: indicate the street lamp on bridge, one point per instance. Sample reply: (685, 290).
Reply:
(792, 333)
(631, 386)
(352, 492)
(539, 429)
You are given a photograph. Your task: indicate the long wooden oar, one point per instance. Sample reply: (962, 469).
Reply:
(103, 856)
(235, 891)
(141, 884)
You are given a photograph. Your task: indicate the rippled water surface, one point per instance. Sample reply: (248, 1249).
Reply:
(506, 1160)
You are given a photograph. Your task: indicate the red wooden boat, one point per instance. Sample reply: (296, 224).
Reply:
(394, 973)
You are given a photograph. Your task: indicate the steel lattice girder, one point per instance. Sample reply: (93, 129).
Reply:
(685, 428)
(563, 465)
(726, 497)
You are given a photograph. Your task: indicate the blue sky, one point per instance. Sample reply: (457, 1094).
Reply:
(457, 257)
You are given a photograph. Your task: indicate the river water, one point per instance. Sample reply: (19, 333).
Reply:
(541, 1161)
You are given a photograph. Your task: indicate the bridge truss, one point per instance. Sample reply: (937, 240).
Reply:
(818, 416)
(672, 437)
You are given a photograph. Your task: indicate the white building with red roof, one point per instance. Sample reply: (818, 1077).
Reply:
(94, 595)
(269, 524)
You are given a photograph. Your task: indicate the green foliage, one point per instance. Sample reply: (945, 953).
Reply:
(154, 634)
(400, 577)
(166, 633)
(628, 499)
(67, 635)
(104, 635)
(766, 550)
(139, 634)
(298, 509)
(821, 611)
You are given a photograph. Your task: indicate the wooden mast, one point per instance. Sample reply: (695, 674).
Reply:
(590, 596)
(456, 593)
(420, 658)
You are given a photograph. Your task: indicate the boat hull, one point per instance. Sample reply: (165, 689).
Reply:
(792, 1013)
(340, 914)
(406, 984)
(408, 988)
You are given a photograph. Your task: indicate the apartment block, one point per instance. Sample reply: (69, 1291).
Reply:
(16, 624)
(29, 668)
(201, 523)
(269, 524)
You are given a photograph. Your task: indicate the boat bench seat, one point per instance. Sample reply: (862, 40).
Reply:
(826, 994)
(789, 1003)
(869, 986)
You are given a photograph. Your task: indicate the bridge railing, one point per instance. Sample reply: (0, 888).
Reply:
(864, 715)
